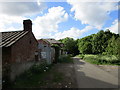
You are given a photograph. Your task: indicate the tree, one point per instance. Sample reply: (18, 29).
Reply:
(70, 45)
(86, 48)
(100, 41)
(85, 45)
(117, 42)
(113, 47)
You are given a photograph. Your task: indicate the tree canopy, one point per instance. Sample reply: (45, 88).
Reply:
(70, 45)
(103, 42)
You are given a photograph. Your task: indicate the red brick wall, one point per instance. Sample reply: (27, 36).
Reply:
(24, 49)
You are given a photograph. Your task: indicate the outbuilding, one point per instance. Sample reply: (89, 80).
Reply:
(49, 50)
(18, 51)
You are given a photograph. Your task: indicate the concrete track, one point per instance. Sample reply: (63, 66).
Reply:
(91, 76)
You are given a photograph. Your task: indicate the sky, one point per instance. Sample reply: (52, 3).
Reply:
(59, 20)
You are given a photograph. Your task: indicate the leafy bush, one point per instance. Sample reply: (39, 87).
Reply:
(65, 59)
(38, 68)
(35, 69)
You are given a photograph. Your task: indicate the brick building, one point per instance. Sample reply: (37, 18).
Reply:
(18, 51)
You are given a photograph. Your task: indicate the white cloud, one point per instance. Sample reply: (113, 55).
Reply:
(93, 1)
(43, 26)
(12, 14)
(8, 23)
(92, 13)
(21, 8)
(73, 33)
(114, 27)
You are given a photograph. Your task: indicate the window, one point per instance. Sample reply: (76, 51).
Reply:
(44, 46)
(30, 42)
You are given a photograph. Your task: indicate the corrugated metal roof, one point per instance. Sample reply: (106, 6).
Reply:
(8, 38)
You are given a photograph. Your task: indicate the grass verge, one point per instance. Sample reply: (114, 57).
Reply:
(101, 59)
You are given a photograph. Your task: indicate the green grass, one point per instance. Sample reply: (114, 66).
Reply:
(101, 59)
(80, 55)
(65, 59)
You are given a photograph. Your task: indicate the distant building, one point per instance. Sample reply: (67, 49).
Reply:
(18, 51)
(47, 50)
(118, 29)
(56, 42)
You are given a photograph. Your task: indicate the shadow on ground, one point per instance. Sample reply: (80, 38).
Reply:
(85, 81)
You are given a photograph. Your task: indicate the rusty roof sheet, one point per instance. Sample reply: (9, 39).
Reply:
(8, 38)
(53, 41)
